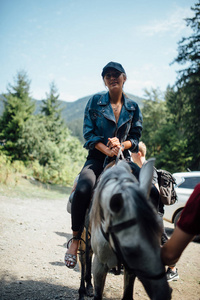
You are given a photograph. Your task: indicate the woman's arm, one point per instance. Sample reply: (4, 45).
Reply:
(105, 149)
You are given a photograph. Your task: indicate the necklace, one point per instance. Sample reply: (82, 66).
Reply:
(115, 108)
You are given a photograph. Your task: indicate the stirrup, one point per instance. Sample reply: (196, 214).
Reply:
(77, 238)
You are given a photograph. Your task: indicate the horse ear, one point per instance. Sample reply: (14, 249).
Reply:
(145, 177)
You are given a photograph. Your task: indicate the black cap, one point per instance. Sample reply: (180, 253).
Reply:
(113, 65)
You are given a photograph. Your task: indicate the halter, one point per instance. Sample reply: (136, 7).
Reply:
(112, 229)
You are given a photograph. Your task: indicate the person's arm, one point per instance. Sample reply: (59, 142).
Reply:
(105, 149)
(187, 227)
(173, 248)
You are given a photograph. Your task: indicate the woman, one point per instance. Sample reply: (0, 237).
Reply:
(111, 121)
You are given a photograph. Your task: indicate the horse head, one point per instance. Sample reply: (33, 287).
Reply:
(123, 213)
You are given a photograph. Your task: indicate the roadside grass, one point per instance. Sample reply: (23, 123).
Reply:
(29, 188)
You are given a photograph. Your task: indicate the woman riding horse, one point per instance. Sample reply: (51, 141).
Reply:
(112, 122)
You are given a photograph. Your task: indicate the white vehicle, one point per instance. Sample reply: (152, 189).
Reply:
(185, 183)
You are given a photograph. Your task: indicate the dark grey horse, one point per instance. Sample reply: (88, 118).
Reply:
(125, 230)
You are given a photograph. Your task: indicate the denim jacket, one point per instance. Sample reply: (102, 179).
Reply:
(100, 124)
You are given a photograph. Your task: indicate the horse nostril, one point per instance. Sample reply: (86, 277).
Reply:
(116, 203)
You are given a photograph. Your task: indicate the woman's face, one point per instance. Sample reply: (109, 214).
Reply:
(114, 79)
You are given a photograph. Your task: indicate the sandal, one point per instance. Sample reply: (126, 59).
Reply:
(70, 260)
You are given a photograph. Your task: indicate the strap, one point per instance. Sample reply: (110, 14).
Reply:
(121, 226)
(80, 251)
(120, 153)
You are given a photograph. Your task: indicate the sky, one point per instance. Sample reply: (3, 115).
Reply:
(68, 42)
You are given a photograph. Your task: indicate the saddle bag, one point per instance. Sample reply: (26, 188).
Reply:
(166, 184)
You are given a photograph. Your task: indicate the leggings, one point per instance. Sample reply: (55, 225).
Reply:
(84, 190)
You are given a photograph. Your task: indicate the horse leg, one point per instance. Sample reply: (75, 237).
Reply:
(82, 260)
(88, 276)
(99, 273)
(128, 285)
(82, 290)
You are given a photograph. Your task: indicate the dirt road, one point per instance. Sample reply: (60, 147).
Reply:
(34, 233)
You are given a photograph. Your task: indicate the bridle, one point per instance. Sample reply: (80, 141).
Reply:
(112, 230)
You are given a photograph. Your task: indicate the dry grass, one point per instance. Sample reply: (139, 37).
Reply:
(29, 188)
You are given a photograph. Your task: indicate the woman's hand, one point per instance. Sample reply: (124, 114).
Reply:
(114, 151)
(111, 149)
(113, 142)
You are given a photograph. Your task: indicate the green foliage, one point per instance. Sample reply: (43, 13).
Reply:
(172, 127)
(39, 143)
(154, 112)
(163, 131)
(188, 86)
(5, 167)
(19, 167)
(18, 108)
(9, 170)
(42, 141)
(50, 106)
(188, 49)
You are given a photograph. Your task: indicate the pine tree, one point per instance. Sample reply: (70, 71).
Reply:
(50, 106)
(18, 107)
(188, 86)
(51, 109)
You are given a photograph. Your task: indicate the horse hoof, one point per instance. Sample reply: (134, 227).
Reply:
(90, 291)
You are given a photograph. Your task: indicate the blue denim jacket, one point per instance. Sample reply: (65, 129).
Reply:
(100, 124)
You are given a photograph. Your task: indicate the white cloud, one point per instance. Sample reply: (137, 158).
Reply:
(136, 87)
(67, 97)
(173, 24)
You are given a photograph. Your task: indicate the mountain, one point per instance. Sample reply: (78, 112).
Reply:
(73, 112)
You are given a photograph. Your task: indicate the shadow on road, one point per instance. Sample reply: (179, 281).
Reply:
(34, 290)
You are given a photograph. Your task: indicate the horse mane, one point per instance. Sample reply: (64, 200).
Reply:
(112, 172)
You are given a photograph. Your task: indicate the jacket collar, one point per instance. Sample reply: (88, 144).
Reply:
(104, 100)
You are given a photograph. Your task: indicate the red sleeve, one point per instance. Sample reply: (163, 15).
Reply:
(190, 217)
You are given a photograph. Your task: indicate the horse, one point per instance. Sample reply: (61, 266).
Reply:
(125, 229)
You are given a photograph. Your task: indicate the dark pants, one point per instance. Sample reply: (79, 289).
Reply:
(84, 190)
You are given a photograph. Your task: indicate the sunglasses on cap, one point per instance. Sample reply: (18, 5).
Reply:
(112, 74)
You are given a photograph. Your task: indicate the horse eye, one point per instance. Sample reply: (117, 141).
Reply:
(116, 203)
